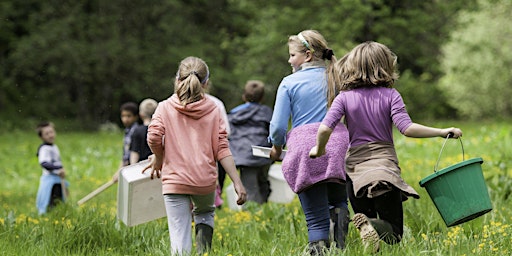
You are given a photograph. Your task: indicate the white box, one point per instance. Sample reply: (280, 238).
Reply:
(139, 198)
(281, 191)
(265, 152)
(231, 198)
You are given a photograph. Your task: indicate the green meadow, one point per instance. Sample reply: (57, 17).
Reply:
(271, 229)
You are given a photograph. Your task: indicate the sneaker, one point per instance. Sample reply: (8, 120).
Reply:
(368, 234)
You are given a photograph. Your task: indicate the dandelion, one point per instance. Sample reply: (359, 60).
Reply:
(424, 236)
(2, 221)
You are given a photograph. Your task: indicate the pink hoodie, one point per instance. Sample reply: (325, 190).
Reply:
(192, 139)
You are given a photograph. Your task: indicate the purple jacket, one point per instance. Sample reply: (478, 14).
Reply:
(301, 171)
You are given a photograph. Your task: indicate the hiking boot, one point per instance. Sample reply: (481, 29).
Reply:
(340, 219)
(204, 235)
(367, 232)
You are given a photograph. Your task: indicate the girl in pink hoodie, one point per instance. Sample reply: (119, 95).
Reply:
(187, 136)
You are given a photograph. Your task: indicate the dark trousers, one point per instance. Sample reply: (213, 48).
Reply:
(56, 195)
(256, 183)
(387, 207)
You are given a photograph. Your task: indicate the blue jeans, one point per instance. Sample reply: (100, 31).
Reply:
(316, 202)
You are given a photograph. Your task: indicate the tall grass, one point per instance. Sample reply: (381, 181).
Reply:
(271, 229)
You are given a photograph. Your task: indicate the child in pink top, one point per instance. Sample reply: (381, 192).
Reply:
(190, 128)
(370, 107)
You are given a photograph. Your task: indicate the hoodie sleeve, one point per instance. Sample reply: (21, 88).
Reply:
(156, 131)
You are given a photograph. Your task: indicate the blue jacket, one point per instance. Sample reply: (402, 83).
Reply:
(249, 126)
(301, 96)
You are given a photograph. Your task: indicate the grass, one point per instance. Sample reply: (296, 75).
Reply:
(271, 229)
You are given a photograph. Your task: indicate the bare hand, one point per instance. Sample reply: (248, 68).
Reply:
(62, 173)
(454, 133)
(275, 153)
(314, 152)
(115, 177)
(155, 164)
(242, 194)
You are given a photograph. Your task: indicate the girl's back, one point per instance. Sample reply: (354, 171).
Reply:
(370, 113)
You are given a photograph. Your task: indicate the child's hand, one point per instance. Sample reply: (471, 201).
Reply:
(115, 177)
(61, 173)
(453, 132)
(242, 194)
(275, 153)
(314, 152)
(155, 163)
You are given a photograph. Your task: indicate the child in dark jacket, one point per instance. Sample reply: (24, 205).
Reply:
(249, 124)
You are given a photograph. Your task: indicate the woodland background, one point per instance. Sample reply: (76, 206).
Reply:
(76, 62)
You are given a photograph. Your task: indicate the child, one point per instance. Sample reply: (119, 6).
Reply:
(195, 139)
(139, 149)
(371, 106)
(249, 126)
(52, 187)
(130, 118)
(320, 183)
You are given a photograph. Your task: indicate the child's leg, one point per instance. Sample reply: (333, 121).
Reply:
(249, 177)
(56, 195)
(338, 210)
(390, 224)
(264, 183)
(315, 205)
(179, 220)
(204, 213)
(362, 205)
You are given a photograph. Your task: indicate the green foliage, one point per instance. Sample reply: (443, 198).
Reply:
(477, 62)
(79, 60)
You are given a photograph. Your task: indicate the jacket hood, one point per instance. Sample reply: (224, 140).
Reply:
(254, 112)
(194, 110)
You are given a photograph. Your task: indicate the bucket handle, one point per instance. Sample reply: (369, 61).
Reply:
(439, 158)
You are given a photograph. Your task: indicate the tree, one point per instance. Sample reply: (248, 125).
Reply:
(477, 62)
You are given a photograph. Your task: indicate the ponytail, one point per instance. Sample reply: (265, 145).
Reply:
(191, 78)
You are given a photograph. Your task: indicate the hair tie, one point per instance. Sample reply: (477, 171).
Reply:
(304, 42)
(327, 54)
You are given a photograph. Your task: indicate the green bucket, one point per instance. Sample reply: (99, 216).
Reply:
(459, 191)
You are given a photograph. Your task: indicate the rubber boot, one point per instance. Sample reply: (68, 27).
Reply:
(318, 248)
(204, 235)
(385, 231)
(340, 218)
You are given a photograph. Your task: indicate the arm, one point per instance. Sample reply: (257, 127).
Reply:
(134, 157)
(421, 131)
(324, 132)
(280, 117)
(229, 165)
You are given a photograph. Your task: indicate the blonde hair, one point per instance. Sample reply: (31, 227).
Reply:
(191, 78)
(254, 91)
(313, 41)
(147, 107)
(369, 64)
